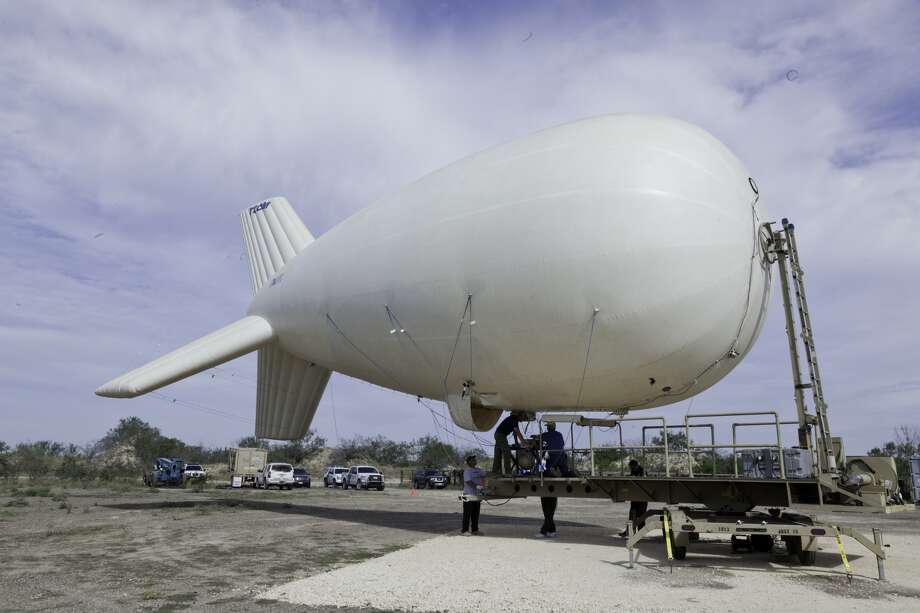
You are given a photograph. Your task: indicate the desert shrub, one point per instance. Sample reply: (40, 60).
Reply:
(6, 465)
(76, 468)
(32, 492)
(906, 444)
(116, 471)
(36, 459)
(297, 452)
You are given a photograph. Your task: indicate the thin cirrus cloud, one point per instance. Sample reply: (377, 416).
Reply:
(131, 136)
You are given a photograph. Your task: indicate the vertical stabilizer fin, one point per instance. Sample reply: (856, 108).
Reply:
(289, 393)
(273, 234)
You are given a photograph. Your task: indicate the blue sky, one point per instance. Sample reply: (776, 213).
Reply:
(131, 135)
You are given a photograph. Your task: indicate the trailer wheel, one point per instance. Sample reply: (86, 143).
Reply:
(738, 544)
(807, 557)
(680, 552)
(761, 542)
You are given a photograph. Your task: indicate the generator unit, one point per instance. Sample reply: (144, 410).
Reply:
(764, 463)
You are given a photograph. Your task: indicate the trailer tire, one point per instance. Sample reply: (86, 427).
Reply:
(807, 557)
(761, 542)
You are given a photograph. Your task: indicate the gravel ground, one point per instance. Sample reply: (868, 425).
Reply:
(223, 550)
(511, 573)
(585, 569)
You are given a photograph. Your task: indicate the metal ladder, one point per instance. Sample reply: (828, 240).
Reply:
(784, 247)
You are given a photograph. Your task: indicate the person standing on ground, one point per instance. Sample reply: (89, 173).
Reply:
(501, 463)
(636, 509)
(554, 444)
(472, 486)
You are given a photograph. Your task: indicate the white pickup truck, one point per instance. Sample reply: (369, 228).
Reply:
(194, 471)
(363, 477)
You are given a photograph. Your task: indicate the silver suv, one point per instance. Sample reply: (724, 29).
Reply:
(363, 477)
(334, 476)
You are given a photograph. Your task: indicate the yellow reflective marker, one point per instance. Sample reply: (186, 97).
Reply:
(667, 535)
(843, 554)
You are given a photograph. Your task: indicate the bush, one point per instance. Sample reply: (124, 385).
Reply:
(74, 468)
(117, 471)
(41, 492)
(36, 459)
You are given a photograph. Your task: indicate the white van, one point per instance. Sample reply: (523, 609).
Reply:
(281, 475)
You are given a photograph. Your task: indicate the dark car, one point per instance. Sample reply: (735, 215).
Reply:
(301, 478)
(429, 477)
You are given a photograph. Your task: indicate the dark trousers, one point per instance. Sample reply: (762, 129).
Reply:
(549, 512)
(471, 515)
(501, 462)
(637, 510)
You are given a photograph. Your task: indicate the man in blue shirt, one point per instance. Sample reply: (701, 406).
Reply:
(554, 444)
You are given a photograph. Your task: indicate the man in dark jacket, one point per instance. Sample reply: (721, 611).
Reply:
(501, 463)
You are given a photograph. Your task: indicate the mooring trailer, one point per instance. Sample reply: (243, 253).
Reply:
(821, 479)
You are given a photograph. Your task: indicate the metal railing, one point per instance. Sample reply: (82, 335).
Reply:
(735, 445)
(737, 425)
(692, 451)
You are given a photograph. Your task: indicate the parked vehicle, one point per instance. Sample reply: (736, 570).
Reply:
(334, 476)
(429, 477)
(277, 474)
(301, 477)
(195, 471)
(363, 477)
(166, 471)
(245, 463)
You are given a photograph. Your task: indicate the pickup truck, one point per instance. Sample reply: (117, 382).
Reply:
(429, 477)
(334, 476)
(363, 477)
(195, 471)
(301, 477)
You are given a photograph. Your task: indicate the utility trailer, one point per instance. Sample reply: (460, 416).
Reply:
(244, 463)
(813, 476)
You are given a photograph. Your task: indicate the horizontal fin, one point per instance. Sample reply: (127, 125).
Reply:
(239, 338)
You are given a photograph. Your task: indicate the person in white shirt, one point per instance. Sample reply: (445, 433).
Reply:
(472, 486)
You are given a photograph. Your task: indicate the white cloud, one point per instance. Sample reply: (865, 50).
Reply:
(155, 126)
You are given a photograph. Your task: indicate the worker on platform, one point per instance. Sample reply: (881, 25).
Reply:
(554, 444)
(502, 462)
(636, 509)
(473, 485)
